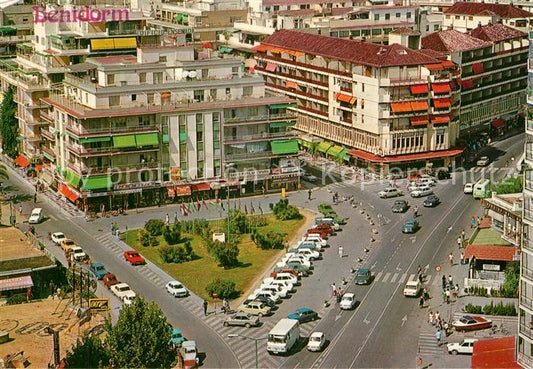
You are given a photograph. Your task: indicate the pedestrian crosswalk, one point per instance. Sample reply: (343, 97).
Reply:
(428, 344)
(399, 277)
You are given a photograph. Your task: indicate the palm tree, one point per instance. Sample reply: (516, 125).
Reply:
(3, 175)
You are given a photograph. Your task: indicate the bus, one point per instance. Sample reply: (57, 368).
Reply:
(482, 189)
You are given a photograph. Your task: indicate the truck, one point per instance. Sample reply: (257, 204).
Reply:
(189, 354)
(482, 189)
(283, 336)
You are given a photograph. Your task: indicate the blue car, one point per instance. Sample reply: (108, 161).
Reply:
(98, 270)
(411, 226)
(303, 315)
(176, 338)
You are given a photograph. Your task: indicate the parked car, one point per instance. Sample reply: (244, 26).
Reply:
(242, 319)
(67, 244)
(431, 201)
(277, 290)
(110, 280)
(302, 270)
(77, 253)
(283, 284)
(284, 269)
(176, 289)
(363, 276)
(466, 346)
(413, 186)
(57, 237)
(134, 258)
(311, 245)
(253, 307)
(263, 293)
(303, 315)
(422, 191)
(400, 206)
(483, 161)
(264, 299)
(348, 301)
(98, 270)
(321, 229)
(389, 192)
(298, 264)
(468, 188)
(328, 221)
(315, 238)
(412, 289)
(36, 216)
(129, 298)
(120, 290)
(189, 354)
(285, 277)
(317, 340)
(426, 181)
(411, 226)
(176, 337)
(312, 255)
(414, 176)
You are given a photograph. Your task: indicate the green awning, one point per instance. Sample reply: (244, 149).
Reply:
(42, 54)
(185, 19)
(7, 29)
(183, 137)
(323, 146)
(225, 49)
(284, 147)
(97, 183)
(147, 139)
(47, 155)
(72, 178)
(178, 17)
(304, 143)
(166, 138)
(56, 37)
(345, 155)
(281, 106)
(124, 141)
(24, 47)
(95, 139)
(281, 124)
(335, 151)
(72, 135)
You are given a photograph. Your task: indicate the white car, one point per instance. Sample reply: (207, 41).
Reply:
(466, 346)
(389, 192)
(129, 298)
(317, 340)
(176, 289)
(483, 161)
(57, 237)
(413, 187)
(468, 188)
(312, 245)
(120, 290)
(78, 254)
(271, 295)
(412, 289)
(282, 292)
(311, 254)
(296, 258)
(36, 216)
(315, 238)
(283, 284)
(348, 301)
(422, 191)
(426, 181)
(286, 277)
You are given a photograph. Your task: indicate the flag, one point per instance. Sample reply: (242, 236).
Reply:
(214, 204)
(189, 207)
(252, 210)
(245, 209)
(260, 209)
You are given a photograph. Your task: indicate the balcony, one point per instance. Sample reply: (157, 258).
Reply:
(83, 169)
(289, 115)
(305, 65)
(48, 134)
(525, 361)
(248, 155)
(47, 117)
(314, 111)
(527, 330)
(83, 151)
(49, 152)
(81, 131)
(295, 77)
(260, 137)
(298, 93)
(527, 273)
(526, 302)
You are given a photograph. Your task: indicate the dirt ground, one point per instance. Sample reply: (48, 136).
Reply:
(14, 244)
(27, 326)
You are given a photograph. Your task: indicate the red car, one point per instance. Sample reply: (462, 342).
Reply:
(414, 176)
(134, 258)
(323, 230)
(110, 280)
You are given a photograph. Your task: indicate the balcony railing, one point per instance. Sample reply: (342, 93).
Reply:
(96, 151)
(50, 152)
(260, 137)
(295, 77)
(527, 330)
(82, 131)
(248, 155)
(298, 92)
(314, 111)
(289, 115)
(49, 135)
(305, 65)
(85, 169)
(526, 301)
(47, 117)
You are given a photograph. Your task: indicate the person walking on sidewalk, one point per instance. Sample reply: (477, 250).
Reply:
(450, 257)
(309, 192)
(167, 219)
(443, 282)
(473, 222)
(205, 307)
(341, 252)
(459, 242)
(462, 258)
(438, 336)
(35, 197)
(463, 235)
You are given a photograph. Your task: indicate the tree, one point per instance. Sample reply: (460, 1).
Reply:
(509, 185)
(89, 352)
(172, 234)
(236, 222)
(141, 337)
(225, 253)
(3, 175)
(512, 278)
(8, 124)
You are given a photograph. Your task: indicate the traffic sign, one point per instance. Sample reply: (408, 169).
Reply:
(437, 268)
(99, 304)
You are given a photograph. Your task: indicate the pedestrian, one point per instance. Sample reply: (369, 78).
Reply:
(167, 219)
(430, 317)
(459, 242)
(421, 302)
(478, 221)
(472, 222)
(415, 210)
(205, 307)
(340, 252)
(333, 289)
(176, 217)
(438, 336)
(450, 279)
(421, 278)
(112, 229)
(437, 316)
(448, 296)
(28, 295)
(450, 257)
(462, 258)
(463, 235)
(425, 294)
(35, 197)
(443, 282)
(20, 209)
(446, 327)
(117, 234)
(340, 293)
(308, 194)
(299, 186)
(419, 270)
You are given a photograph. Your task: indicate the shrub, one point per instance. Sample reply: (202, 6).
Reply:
(225, 253)
(198, 227)
(17, 298)
(172, 235)
(154, 227)
(283, 211)
(271, 240)
(225, 289)
(236, 222)
(512, 277)
(326, 209)
(491, 309)
(144, 237)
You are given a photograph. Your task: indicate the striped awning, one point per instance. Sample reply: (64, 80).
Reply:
(18, 283)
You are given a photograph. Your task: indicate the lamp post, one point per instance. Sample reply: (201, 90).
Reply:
(234, 335)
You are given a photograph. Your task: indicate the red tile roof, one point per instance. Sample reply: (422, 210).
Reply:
(357, 52)
(296, 2)
(403, 158)
(339, 11)
(434, 54)
(495, 353)
(296, 12)
(485, 223)
(490, 252)
(404, 31)
(502, 10)
(496, 32)
(451, 40)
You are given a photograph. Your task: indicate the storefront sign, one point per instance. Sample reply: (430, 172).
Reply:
(283, 176)
(491, 267)
(249, 174)
(174, 183)
(289, 169)
(125, 192)
(127, 186)
(97, 194)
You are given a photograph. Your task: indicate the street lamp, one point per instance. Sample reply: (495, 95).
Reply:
(234, 335)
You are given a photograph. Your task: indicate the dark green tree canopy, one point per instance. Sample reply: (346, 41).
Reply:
(8, 124)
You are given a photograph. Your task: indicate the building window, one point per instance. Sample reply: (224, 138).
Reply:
(114, 100)
(471, 18)
(150, 98)
(457, 17)
(408, 15)
(142, 77)
(435, 27)
(252, 111)
(181, 119)
(228, 90)
(387, 16)
(376, 17)
(398, 15)
(199, 119)
(216, 117)
(158, 77)
(213, 93)
(200, 169)
(234, 70)
(133, 97)
(199, 95)
(427, 27)
(162, 58)
(247, 91)
(447, 16)
(110, 79)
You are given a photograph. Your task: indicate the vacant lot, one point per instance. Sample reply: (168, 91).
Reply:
(197, 274)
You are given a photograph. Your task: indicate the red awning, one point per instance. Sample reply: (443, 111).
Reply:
(495, 353)
(419, 105)
(201, 187)
(438, 66)
(291, 84)
(490, 252)
(498, 123)
(183, 190)
(404, 158)
(440, 119)
(419, 121)
(419, 89)
(207, 45)
(448, 64)
(401, 107)
(18, 283)
(38, 167)
(441, 88)
(21, 161)
(477, 68)
(68, 193)
(271, 67)
(442, 103)
(345, 98)
(261, 48)
(467, 84)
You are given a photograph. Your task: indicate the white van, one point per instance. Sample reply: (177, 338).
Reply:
(283, 336)
(36, 216)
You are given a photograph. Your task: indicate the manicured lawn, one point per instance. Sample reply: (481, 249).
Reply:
(197, 274)
(489, 237)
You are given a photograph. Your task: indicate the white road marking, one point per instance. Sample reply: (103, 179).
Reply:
(394, 277)
(402, 278)
(386, 277)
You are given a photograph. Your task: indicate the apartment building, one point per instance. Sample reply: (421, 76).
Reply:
(55, 49)
(525, 317)
(383, 106)
(137, 130)
(493, 61)
(16, 26)
(465, 16)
